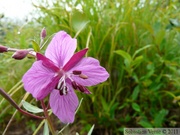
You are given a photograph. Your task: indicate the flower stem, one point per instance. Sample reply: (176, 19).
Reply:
(48, 118)
(8, 98)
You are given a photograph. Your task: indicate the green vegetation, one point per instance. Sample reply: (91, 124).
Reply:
(137, 42)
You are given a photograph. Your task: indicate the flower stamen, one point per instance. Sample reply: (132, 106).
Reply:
(83, 76)
(77, 72)
(63, 90)
(74, 85)
(79, 87)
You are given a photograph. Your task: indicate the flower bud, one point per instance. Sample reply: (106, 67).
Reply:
(3, 49)
(20, 54)
(43, 33)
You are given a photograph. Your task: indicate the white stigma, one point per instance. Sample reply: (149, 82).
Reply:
(62, 85)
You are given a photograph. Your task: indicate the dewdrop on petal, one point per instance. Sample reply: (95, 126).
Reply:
(3, 49)
(20, 54)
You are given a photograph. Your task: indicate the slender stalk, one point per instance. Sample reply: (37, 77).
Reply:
(48, 118)
(11, 101)
(10, 121)
(40, 125)
(30, 114)
(12, 49)
(41, 47)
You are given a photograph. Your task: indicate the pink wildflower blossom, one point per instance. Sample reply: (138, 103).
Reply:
(61, 71)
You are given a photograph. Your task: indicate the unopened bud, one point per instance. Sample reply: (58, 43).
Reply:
(20, 54)
(43, 33)
(3, 49)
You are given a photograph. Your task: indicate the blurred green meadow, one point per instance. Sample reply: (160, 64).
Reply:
(137, 41)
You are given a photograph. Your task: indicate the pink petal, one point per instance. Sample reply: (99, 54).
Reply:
(64, 106)
(47, 62)
(92, 69)
(75, 59)
(39, 80)
(61, 48)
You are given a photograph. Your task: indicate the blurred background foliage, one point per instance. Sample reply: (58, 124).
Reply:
(137, 41)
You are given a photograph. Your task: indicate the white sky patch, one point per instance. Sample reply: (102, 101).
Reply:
(16, 9)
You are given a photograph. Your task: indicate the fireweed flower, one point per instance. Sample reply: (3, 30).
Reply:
(61, 71)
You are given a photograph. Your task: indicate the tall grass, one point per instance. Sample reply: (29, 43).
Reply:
(138, 43)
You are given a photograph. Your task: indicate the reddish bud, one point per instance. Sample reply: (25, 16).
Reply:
(43, 33)
(3, 49)
(20, 54)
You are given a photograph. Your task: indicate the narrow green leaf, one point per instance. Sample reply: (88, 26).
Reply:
(137, 61)
(79, 21)
(136, 107)
(46, 129)
(104, 104)
(135, 92)
(141, 49)
(123, 106)
(91, 130)
(31, 108)
(81, 27)
(126, 56)
(35, 46)
(145, 124)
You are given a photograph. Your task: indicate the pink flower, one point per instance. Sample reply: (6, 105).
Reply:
(59, 72)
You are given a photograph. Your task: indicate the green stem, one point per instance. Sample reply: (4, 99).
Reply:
(48, 118)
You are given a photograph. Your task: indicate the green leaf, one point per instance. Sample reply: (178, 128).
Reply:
(137, 61)
(123, 106)
(35, 46)
(91, 130)
(174, 22)
(126, 56)
(159, 118)
(127, 118)
(79, 21)
(145, 124)
(46, 129)
(81, 27)
(31, 108)
(136, 107)
(135, 92)
(105, 105)
(113, 108)
(141, 49)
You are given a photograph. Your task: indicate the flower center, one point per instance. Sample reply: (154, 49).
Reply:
(63, 90)
(62, 87)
